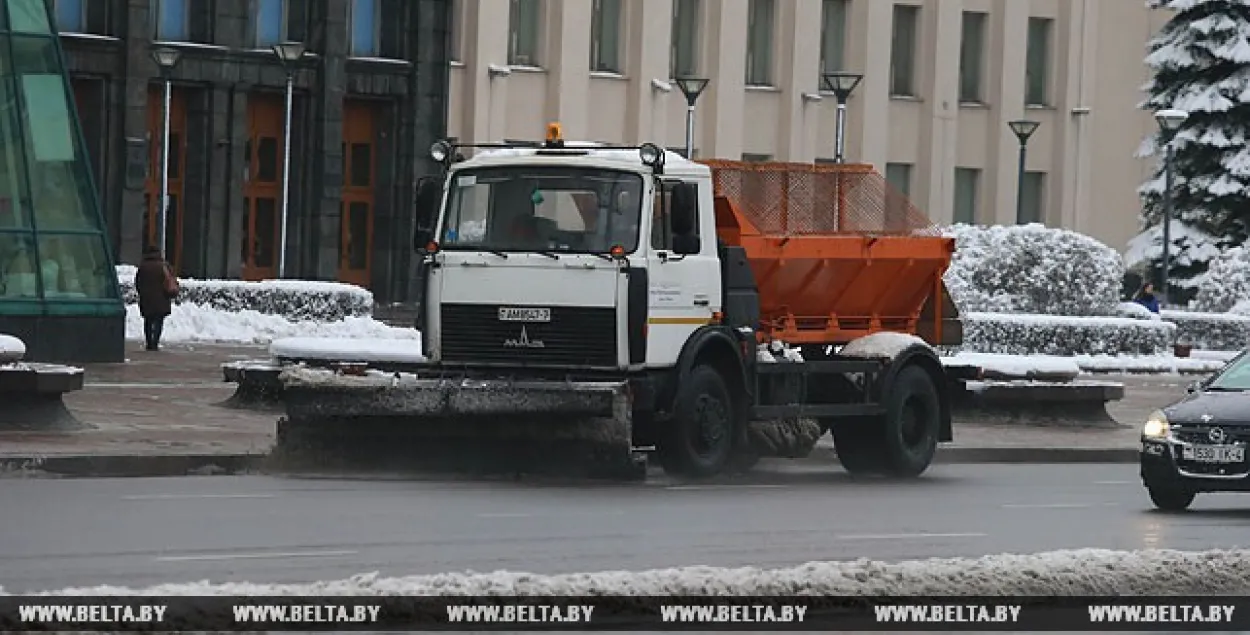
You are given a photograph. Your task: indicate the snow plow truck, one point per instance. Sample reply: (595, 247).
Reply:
(588, 309)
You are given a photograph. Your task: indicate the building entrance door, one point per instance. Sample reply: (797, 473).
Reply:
(359, 177)
(262, 189)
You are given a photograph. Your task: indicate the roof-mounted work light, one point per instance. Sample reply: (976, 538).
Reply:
(555, 135)
(651, 155)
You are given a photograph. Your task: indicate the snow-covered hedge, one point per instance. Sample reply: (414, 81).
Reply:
(1226, 283)
(1032, 269)
(1016, 334)
(1210, 331)
(296, 300)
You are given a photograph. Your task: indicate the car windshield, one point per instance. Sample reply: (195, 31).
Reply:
(543, 209)
(1234, 377)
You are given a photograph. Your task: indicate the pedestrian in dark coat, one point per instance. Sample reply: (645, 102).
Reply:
(1146, 297)
(157, 287)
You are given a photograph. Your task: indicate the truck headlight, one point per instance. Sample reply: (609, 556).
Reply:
(1156, 425)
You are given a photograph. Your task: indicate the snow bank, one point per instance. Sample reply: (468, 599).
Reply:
(195, 323)
(1136, 311)
(1030, 366)
(291, 299)
(1013, 334)
(1032, 269)
(1056, 573)
(349, 350)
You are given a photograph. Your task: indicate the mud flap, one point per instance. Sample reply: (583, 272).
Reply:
(400, 422)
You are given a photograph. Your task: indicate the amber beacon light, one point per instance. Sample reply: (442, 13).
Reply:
(555, 135)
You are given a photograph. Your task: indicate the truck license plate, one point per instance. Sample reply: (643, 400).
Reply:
(513, 314)
(1214, 454)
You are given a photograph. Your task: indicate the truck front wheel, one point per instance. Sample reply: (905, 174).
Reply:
(699, 440)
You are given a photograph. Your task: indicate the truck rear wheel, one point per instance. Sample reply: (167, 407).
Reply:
(699, 440)
(913, 420)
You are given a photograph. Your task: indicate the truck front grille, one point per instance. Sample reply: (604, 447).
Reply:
(575, 337)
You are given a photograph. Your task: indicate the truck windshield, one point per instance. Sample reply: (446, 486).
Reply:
(543, 209)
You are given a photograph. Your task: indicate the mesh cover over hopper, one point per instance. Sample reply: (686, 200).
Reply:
(836, 252)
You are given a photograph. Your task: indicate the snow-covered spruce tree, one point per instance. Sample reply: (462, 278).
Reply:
(1201, 64)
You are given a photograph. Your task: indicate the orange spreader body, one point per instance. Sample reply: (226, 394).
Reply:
(837, 254)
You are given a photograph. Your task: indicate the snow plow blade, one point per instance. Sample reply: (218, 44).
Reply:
(402, 423)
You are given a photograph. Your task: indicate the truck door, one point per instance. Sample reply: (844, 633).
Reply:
(683, 290)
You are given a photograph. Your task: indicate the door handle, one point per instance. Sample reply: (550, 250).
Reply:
(701, 302)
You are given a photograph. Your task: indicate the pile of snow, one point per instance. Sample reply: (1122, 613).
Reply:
(1032, 269)
(195, 323)
(777, 351)
(1014, 334)
(881, 345)
(1088, 572)
(1044, 366)
(1210, 331)
(1136, 311)
(1226, 283)
(292, 299)
(349, 349)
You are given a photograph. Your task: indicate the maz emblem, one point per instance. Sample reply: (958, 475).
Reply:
(1217, 435)
(524, 341)
(1207, 418)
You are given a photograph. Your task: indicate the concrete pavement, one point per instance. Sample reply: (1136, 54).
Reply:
(159, 414)
(139, 532)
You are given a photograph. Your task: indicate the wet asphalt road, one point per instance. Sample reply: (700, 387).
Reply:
(141, 532)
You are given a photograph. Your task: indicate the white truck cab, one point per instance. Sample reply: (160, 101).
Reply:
(568, 258)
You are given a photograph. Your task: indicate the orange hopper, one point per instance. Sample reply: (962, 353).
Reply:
(837, 254)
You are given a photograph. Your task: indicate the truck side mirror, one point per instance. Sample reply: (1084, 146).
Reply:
(684, 210)
(429, 195)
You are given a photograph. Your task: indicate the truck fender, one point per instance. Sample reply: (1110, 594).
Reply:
(923, 356)
(720, 346)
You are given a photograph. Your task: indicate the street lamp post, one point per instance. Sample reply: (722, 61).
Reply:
(1170, 121)
(1023, 129)
(691, 87)
(166, 59)
(841, 85)
(289, 53)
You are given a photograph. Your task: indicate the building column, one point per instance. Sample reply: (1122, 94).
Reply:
(939, 126)
(798, 73)
(719, 119)
(139, 72)
(567, 62)
(868, 142)
(231, 192)
(326, 193)
(647, 60)
(1006, 93)
(486, 44)
(1080, 20)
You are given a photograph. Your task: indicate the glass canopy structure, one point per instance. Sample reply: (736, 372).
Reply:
(58, 285)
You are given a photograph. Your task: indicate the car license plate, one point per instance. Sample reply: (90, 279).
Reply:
(1214, 454)
(512, 314)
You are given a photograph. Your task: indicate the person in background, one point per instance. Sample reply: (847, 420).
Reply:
(1146, 297)
(157, 287)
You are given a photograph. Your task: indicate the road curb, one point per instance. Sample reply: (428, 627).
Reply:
(112, 466)
(146, 465)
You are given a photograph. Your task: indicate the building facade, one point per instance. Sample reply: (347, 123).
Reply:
(370, 89)
(941, 81)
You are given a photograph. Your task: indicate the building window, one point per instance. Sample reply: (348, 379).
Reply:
(457, 31)
(523, 32)
(169, 20)
(760, 43)
(966, 181)
(605, 36)
(71, 16)
(903, 51)
(364, 21)
(898, 176)
(280, 21)
(833, 38)
(1032, 198)
(684, 60)
(1037, 71)
(972, 58)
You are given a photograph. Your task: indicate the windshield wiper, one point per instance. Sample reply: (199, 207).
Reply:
(1224, 389)
(603, 256)
(550, 254)
(497, 253)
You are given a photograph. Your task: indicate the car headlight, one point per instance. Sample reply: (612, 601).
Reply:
(1156, 425)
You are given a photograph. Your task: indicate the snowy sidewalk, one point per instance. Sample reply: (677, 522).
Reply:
(163, 408)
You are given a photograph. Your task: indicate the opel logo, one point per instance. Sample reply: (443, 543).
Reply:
(1217, 435)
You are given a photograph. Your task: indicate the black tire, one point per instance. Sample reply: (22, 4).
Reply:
(700, 439)
(1171, 499)
(913, 421)
(859, 443)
